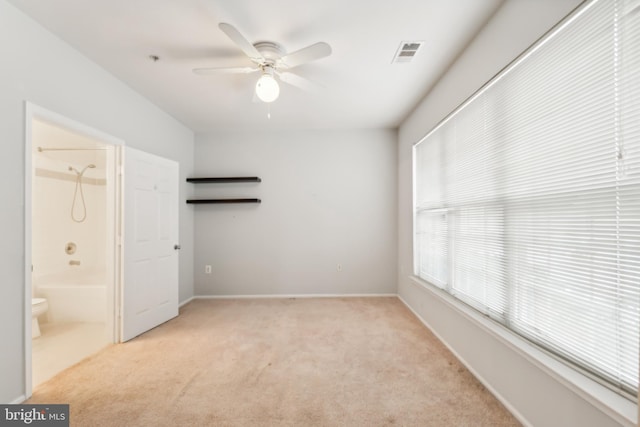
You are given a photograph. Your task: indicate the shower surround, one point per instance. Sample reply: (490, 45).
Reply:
(69, 256)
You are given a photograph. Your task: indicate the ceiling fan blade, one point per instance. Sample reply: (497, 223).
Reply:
(307, 54)
(299, 82)
(241, 42)
(227, 70)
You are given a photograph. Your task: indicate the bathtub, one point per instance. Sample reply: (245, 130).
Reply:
(73, 297)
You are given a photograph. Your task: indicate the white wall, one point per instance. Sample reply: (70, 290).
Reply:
(328, 198)
(40, 68)
(537, 397)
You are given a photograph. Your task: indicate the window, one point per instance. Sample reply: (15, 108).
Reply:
(527, 197)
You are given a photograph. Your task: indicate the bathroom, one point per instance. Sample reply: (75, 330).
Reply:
(72, 247)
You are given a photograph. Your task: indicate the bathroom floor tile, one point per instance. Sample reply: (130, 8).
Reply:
(62, 345)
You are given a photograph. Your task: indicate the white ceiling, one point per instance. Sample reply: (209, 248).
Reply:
(362, 88)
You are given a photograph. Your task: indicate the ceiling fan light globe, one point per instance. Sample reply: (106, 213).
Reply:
(267, 88)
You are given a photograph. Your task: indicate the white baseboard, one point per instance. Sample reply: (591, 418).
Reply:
(18, 400)
(487, 385)
(185, 302)
(615, 406)
(283, 296)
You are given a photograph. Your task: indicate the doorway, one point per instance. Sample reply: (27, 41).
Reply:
(72, 205)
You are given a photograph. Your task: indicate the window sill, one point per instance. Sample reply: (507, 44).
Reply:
(616, 406)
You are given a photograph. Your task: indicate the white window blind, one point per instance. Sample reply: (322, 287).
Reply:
(527, 198)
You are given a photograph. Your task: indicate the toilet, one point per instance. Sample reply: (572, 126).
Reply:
(39, 306)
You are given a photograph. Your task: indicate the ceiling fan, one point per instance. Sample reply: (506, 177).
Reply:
(272, 60)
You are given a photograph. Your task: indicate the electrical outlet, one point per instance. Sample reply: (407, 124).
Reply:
(207, 269)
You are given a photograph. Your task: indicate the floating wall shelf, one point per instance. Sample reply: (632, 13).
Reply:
(220, 201)
(223, 180)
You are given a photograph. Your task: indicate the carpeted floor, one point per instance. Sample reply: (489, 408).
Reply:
(278, 362)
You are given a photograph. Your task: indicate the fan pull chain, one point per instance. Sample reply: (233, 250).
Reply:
(269, 111)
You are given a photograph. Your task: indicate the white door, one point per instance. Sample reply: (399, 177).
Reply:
(150, 242)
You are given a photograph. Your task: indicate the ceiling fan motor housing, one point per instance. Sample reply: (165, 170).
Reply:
(270, 51)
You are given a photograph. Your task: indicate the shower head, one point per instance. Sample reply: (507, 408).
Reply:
(90, 166)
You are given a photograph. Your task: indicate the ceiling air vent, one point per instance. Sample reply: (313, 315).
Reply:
(407, 51)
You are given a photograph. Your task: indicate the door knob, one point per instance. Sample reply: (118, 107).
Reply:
(176, 247)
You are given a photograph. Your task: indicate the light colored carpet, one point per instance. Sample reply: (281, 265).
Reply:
(278, 362)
